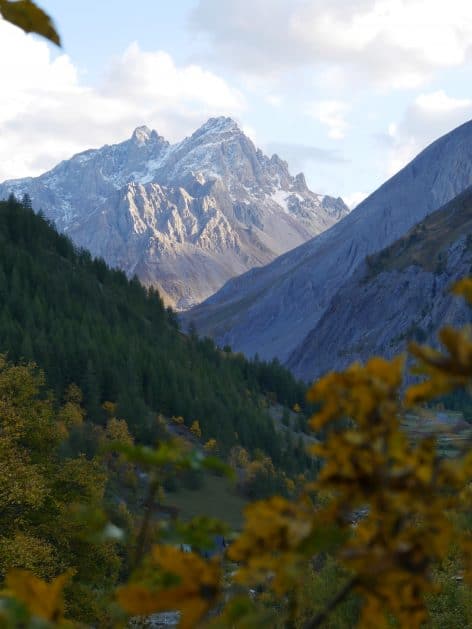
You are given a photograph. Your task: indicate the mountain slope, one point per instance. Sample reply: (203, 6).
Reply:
(86, 324)
(185, 217)
(271, 310)
(400, 294)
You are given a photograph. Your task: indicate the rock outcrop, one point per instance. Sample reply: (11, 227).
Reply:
(184, 217)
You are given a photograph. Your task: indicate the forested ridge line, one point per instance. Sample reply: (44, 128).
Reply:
(87, 324)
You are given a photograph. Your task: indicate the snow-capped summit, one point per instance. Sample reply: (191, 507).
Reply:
(141, 135)
(184, 217)
(217, 126)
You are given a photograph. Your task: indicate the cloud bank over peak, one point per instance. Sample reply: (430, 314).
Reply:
(346, 90)
(48, 111)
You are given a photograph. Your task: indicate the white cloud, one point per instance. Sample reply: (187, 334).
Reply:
(354, 198)
(47, 113)
(274, 100)
(429, 116)
(250, 132)
(440, 103)
(332, 114)
(393, 43)
(154, 79)
(252, 35)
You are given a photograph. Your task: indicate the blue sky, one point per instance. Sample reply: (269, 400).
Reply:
(346, 90)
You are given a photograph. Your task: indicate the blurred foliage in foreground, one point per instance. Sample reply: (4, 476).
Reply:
(382, 536)
(29, 17)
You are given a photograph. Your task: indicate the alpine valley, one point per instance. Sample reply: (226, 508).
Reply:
(227, 399)
(353, 291)
(184, 218)
(256, 260)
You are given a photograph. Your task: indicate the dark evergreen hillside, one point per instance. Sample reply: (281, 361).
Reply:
(85, 323)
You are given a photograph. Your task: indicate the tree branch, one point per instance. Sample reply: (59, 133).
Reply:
(143, 532)
(323, 614)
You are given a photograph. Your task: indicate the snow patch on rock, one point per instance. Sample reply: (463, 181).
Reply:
(185, 217)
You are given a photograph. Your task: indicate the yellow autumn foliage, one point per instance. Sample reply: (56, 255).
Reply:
(44, 600)
(40, 489)
(211, 445)
(180, 580)
(195, 429)
(385, 507)
(389, 499)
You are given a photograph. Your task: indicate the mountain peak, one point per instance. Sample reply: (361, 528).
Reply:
(142, 134)
(184, 217)
(290, 297)
(218, 125)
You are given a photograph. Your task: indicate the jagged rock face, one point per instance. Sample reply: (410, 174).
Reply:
(271, 310)
(185, 217)
(399, 295)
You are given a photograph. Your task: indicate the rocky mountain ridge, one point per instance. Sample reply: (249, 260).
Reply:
(183, 217)
(401, 294)
(273, 309)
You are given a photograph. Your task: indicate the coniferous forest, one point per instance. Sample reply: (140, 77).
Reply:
(86, 324)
